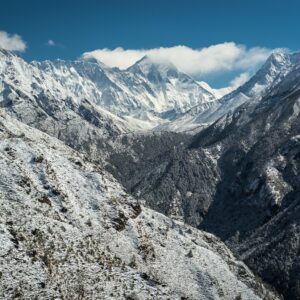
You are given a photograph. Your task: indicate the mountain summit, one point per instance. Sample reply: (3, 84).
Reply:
(277, 66)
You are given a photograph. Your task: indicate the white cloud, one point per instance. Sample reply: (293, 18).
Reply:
(11, 42)
(51, 43)
(239, 80)
(196, 62)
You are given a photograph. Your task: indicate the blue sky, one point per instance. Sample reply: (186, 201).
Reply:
(76, 27)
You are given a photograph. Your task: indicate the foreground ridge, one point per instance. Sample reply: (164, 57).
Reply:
(68, 230)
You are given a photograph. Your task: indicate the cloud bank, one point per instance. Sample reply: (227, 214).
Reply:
(214, 59)
(11, 42)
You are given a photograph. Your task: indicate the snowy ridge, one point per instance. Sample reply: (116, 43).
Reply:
(68, 230)
(275, 69)
(143, 97)
(146, 91)
(22, 81)
(218, 93)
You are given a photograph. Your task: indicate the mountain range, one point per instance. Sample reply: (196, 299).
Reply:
(134, 184)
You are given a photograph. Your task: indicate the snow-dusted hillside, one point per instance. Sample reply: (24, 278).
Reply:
(69, 231)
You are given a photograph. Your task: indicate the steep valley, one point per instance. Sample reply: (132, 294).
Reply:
(148, 213)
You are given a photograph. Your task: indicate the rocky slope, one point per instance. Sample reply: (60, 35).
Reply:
(256, 204)
(37, 99)
(69, 231)
(237, 179)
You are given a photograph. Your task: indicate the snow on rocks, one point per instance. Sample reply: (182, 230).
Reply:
(69, 231)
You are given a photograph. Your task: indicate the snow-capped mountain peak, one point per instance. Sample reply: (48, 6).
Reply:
(157, 90)
(273, 71)
(91, 59)
(148, 66)
(147, 95)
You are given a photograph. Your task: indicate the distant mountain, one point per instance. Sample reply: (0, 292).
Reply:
(147, 92)
(143, 97)
(278, 65)
(40, 100)
(174, 92)
(139, 98)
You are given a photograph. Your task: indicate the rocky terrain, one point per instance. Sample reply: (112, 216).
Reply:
(237, 179)
(70, 231)
(229, 166)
